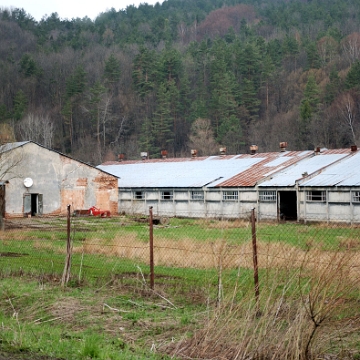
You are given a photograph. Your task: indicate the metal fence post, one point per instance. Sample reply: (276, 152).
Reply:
(151, 234)
(255, 260)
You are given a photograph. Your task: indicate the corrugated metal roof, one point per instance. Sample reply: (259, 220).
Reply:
(11, 146)
(289, 175)
(270, 163)
(227, 171)
(346, 172)
(176, 174)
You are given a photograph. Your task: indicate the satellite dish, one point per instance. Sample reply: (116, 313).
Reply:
(28, 182)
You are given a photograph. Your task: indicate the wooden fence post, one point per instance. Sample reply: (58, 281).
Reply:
(67, 268)
(255, 261)
(152, 276)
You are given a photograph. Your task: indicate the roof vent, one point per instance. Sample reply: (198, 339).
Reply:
(164, 154)
(121, 157)
(222, 150)
(283, 146)
(193, 153)
(253, 149)
(353, 148)
(144, 155)
(317, 150)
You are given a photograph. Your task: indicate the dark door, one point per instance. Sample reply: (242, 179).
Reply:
(33, 204)
(2, 200)
(287, 205)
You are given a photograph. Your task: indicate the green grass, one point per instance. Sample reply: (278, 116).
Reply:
(107, 311)
(116, 320)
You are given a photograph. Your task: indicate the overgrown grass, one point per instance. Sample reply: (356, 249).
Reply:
(203, 303)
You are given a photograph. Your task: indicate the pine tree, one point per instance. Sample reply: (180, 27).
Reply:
(144, 73)
(20, 105)
(353, 76)
(96, 93)
(308, 109)
(333, 87)
(162, 121)
(112, 70)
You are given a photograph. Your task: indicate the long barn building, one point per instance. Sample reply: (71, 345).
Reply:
(320, 185)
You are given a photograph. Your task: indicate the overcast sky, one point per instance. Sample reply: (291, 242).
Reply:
(71, 8)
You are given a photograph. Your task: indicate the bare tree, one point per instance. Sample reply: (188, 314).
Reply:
(10, 168)
(347, 112)
(38, 128)
(202, 138)
(351, 47)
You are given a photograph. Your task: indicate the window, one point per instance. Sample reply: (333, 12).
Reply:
(230, 195)
(316, 196)
(197, 195)
(138, 195)
(356, 196)
(267, 196)
(167, 195)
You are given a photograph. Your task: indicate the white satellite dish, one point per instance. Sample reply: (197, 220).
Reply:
(28, 182)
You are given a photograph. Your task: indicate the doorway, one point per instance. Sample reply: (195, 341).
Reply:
(2, 200)
(33, 204)
(287, 209)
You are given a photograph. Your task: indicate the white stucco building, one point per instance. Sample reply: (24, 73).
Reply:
(35, 180)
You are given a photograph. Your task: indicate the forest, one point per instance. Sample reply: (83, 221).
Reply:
(183, 75)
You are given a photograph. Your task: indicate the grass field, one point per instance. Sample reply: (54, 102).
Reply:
(202, 305)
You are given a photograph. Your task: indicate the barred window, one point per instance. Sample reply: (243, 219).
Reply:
(267, 196)
(316, 196)
(197, 195)
(230, 195)
(356, 196)
(167, 195)
(138, 195)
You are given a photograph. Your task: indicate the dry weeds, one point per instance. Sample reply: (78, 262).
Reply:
(313, 315)
(188, 253)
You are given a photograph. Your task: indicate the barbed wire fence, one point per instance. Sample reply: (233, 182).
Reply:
(208, 255)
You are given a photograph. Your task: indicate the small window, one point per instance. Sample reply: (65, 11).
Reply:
(267, 196)
(167, 195)
(316, 196)
(139, 195)
(356, 196)
(230, 195)
(197, 195)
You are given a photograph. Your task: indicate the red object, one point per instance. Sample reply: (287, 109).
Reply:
(97, 212)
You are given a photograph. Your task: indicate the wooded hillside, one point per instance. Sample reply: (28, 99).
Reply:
(182, 75)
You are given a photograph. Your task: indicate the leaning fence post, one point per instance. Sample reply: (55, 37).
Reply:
(255, 260)
(67, 267)
(151, 248)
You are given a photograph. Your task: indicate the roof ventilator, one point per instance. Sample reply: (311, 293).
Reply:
(317, 150)
(253, 149)
(283, 146)
(193, 153)
(164, 154)
(353, 148)
(144, 155)
(121, 157)
(222, 150)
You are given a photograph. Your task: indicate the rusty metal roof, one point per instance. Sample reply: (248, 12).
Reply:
(213, 171)
(303, 168)
(270, 163)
